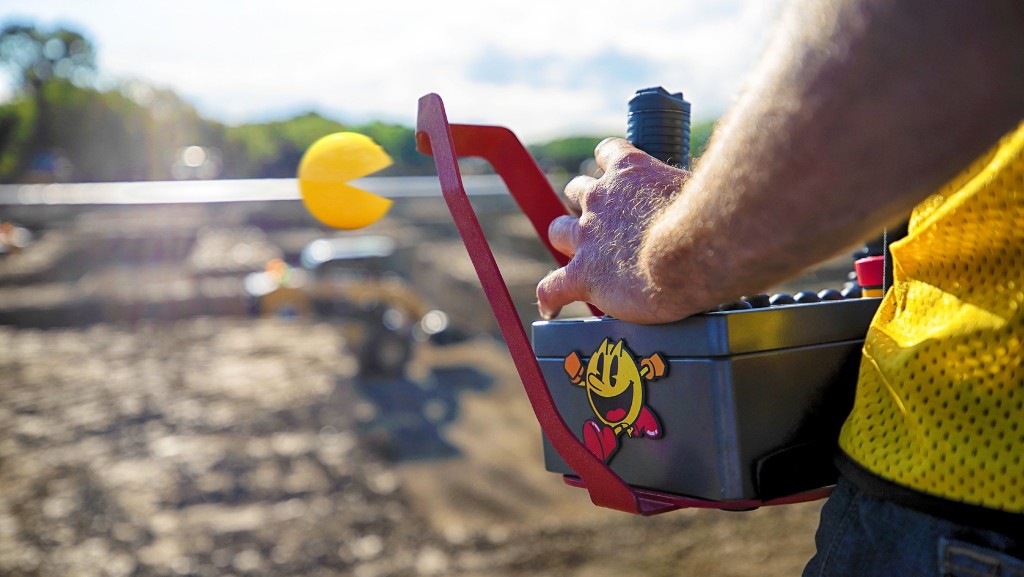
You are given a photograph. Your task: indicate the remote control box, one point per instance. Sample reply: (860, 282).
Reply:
(725, 406)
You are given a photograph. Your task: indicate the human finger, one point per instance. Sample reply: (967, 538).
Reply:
(564, 234)
(576, 191)
(613, 151)
(558, 289)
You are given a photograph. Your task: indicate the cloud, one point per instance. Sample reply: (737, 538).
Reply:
(575, 92)
(609, 69)
(542, 68)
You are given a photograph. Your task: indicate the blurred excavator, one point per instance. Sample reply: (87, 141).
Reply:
(350, 281)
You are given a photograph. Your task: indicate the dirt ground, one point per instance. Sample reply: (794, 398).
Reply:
(148, 427)
(237, 447)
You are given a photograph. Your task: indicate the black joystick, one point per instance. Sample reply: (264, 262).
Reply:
(659, 124)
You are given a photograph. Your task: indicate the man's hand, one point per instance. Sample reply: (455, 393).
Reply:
(835, 136)
(615, 212)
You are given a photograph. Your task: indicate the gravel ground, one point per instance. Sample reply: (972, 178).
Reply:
(158, 441)
(235, 447)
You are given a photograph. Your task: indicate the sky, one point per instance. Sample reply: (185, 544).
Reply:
(544, 68)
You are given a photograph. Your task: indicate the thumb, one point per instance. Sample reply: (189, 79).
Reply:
(558, 289)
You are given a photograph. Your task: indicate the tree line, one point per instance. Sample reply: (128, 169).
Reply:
(60, 126)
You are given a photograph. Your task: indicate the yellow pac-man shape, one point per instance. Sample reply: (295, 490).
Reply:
(328, 165)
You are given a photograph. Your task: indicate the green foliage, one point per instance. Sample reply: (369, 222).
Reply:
(35, 56)
(17, 122)
(85, 118)
(41, 62)
(273, 149)
(699, 135)
(97, 135)
(564, 156)
(399, 142)
(107, 136)
(59, 128)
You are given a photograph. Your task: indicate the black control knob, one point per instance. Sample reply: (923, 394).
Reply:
(805, 297)
(659, 124)
(830, 294)
(782, 299)
(759, 301)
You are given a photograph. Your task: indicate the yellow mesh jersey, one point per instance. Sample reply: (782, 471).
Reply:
(940, 401)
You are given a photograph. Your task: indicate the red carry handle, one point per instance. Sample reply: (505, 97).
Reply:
(513, 163)
(502, 149)
(538, 200)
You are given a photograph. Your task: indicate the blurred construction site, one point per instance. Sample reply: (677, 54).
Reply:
(224, 387)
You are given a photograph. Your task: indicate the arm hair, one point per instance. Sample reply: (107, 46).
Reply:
(858, 110)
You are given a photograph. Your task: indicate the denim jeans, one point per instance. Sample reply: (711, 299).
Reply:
(863, 536)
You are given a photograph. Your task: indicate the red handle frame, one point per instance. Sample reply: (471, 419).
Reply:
(538, 200)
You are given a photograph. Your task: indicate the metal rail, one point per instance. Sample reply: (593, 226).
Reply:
(207, 191)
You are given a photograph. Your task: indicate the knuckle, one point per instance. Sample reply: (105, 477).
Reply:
(566, 226)
(578, 186)
(629, 158)
(578, 182)
(549, 289)
(575, 280)
(606, 142)
(588, 225)
(594, 196)
(557, 226)
(542, 289)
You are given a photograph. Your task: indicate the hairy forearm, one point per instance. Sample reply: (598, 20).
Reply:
(858, 111)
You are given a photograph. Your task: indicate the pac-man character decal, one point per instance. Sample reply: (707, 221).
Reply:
(613, 380)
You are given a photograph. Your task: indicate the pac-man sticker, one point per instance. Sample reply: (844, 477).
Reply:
(614, 382)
